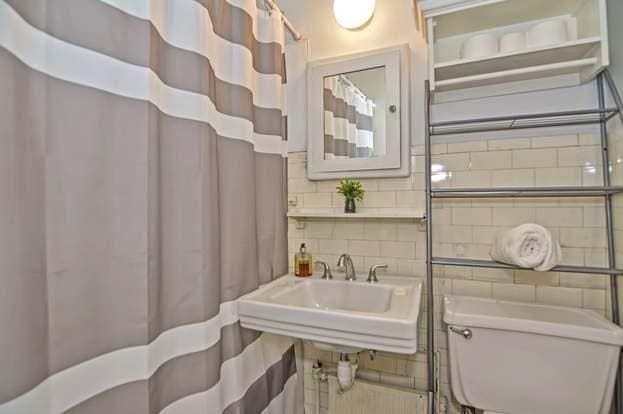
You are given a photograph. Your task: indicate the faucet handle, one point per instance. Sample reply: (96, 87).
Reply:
(372, 274)
(326, 273)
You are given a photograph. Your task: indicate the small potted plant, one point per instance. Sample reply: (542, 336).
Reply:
(351, 190)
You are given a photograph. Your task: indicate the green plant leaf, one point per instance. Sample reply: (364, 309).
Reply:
(351, 189)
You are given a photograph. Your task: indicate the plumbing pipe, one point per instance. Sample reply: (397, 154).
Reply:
(437, 380)
(364, 374)
(317, 402)
(443, 405)
(316, 375)
(346, 372)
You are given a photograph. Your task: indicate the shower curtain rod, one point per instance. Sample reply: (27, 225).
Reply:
(350, 83)
(273, 6)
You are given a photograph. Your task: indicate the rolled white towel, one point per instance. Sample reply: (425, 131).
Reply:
(529, 246)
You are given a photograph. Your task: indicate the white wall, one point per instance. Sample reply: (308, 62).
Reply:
(393, 23)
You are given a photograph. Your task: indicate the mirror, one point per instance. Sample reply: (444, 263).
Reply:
(354, 114)
(357, 127)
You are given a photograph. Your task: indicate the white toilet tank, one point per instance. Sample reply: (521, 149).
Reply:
(524, 358)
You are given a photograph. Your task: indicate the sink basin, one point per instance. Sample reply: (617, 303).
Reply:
(336, 314)
(343, 296)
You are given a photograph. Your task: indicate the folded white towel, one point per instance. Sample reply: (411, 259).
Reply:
(529, 246)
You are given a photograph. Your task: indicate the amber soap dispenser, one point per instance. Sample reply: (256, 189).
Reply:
(303, 262)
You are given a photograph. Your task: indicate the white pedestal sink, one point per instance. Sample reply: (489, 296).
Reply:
(338, 315)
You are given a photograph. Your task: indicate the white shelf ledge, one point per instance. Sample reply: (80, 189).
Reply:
(565, 52)
(411, 214)
(514, 75)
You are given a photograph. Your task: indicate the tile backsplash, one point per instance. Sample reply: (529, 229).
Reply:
(464, 228)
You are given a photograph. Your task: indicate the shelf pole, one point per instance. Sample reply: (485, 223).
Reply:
(614, 92)
(614, 304)
(450, 261)
(430, 328)
(525, 192)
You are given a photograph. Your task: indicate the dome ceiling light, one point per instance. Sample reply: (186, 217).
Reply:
(352, 14)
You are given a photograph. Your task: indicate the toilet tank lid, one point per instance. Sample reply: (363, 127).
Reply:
(561, 321)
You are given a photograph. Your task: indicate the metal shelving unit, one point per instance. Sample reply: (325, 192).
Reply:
(601, 115)
(447, 261)
(505, 192)
(506, 123)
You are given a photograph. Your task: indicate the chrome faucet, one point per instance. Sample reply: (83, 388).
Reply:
(346, 262)
(372, 274)
(326, 270)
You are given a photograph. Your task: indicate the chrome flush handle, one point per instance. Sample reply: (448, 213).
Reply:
(467, 333)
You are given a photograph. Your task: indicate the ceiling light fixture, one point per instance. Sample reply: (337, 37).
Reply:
(352, 14)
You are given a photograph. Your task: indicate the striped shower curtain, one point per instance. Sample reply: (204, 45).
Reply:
(142, 191)
(348, 120)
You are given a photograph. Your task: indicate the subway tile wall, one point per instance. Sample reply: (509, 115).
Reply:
(465, 228)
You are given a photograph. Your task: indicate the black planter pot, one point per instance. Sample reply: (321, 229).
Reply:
(349, 206)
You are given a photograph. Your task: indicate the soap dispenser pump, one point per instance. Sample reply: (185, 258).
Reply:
(303, 262)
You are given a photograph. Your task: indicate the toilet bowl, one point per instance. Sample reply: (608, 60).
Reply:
(523, 358)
